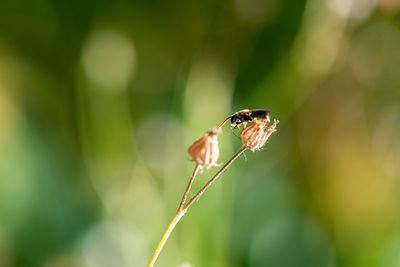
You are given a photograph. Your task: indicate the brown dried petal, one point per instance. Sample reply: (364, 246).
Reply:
(205, 150)
(256, 135)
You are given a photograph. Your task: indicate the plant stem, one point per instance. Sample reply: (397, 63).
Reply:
(196, 170)
(214, 178)
(182, 210)
(175, 220)
(164, 238)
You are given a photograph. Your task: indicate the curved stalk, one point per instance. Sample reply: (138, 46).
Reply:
(175, 220)
(196, 170)
(182, 210)
(164, 238)
(201, 191)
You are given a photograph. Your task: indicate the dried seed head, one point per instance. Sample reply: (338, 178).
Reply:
(205, 150)
(255, 135)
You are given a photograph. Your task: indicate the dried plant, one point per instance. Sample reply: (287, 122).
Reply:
(205, 150)
(205, 153)
(256, 135)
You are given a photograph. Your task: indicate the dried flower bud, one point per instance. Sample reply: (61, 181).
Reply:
(256, 135)
(205, 150)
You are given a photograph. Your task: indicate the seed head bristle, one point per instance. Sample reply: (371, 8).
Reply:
(256, 134)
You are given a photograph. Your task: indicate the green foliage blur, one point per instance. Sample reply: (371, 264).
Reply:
(99, 101)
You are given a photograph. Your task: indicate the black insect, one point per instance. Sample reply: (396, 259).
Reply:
(247, 115)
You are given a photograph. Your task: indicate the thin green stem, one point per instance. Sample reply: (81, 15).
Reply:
(164, 238)
(182, 210)
(175, 220)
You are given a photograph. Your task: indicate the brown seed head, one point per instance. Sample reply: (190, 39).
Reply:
(205, 150)
(256, 135)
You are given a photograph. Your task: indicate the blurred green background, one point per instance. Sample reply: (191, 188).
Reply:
(99, 101)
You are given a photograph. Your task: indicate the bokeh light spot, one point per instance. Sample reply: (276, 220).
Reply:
(256, 11)
(375, 56)
(109, 60)
(110, 244)
(353, 9)
(208, 94)
(389, 4)
(160, 142)
(385, 141)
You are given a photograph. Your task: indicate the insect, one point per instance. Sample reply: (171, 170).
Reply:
(246, 115)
